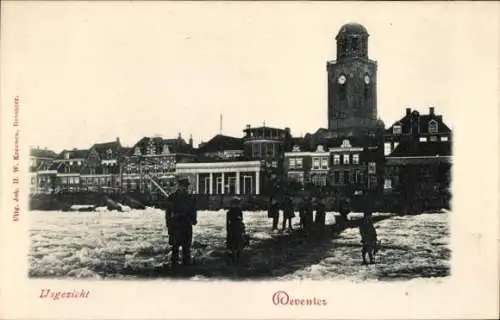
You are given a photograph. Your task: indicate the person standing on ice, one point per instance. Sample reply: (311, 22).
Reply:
(368, 237)
(319, 219)
(236, 238)
(274, 213)
(180, 218)
(288, 212)
(306, 214)
(345, 208)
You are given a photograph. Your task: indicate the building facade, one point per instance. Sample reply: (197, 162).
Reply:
(41, 178)
(66, 170)
(101, 171)
(152, 162)
(418, 166)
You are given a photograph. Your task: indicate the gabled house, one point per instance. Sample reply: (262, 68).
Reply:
(41, 179)
(415, 127)
(102, 167)
(418, 152)
(154, 158)
(67, 168)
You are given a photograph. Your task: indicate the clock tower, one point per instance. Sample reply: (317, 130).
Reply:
(352, 84)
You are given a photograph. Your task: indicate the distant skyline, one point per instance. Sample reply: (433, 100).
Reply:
(88, 73)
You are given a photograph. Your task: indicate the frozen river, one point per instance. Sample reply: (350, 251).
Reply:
(133, 245)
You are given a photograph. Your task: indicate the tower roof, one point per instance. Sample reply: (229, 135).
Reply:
(352, 29)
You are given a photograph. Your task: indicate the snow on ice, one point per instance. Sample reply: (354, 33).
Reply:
(133, 244)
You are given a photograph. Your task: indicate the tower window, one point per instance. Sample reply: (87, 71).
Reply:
(355, 44)
(342, 91)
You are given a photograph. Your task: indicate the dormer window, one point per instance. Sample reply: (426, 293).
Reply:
(296, 148)
(396, 129)
(66, 155)
(137, 151)
(433, 126)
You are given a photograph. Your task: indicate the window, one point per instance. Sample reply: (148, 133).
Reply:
(336, 177)
(396, 144)
(388, 184)
(298, 163)
(444, 139)
(319, 180)
(346, 159)
(387, 148)
(291, 163)
(372, 168)
(355, 158)
(355, 44)
(433, 126)
(433, 138)
(297, 177)
(336, 159)
(255, 149)
(396, 129)
(357, 176)
(315, 163)
(346, 177)
(324, 163)
(137, 151)
(219, 185)
(423, 139)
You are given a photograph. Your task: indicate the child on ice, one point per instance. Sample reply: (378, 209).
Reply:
(236, 238)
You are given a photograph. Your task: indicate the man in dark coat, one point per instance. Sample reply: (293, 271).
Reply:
(368, 237)
(306, 214)
(288, 212)
(319, 219)
(345, 208)
(274, 213)
(236, 238)
(180, 218)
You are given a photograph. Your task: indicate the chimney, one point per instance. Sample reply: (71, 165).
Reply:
(248, 126)
(408, 111)
(179, 136)
(118, 140)
(191, 140)
(431, 111)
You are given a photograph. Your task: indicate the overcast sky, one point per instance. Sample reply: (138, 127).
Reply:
(88, 73)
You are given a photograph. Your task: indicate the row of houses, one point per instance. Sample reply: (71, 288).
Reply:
(412, 154)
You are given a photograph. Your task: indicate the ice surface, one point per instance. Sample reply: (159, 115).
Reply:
(133, 244)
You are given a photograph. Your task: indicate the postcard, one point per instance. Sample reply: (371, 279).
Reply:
(249, 160)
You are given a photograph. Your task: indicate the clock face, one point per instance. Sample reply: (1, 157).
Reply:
(367, 79)
(341, 79)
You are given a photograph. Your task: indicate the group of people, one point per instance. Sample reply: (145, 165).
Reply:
(306, 213)
(181, 216)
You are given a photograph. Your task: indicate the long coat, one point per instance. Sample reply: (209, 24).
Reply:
(235, 238)
(288, 210)
(274, 211)
(306, 214)
(368, 232)
(320, 215)
(180, 217)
